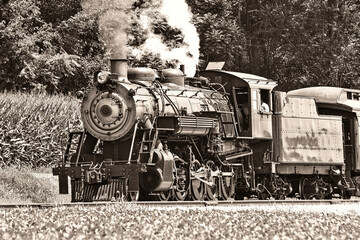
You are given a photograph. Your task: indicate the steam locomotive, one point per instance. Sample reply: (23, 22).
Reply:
(158, 135)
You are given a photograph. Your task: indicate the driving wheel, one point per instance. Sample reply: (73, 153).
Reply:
(227, 183)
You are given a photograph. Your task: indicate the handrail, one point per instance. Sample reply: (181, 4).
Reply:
(133, 140)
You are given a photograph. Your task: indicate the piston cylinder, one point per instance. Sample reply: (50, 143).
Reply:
(159, 177)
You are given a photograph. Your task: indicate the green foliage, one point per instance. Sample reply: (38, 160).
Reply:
(22, 34)
(303, 43)
(55, 12)
(133, 221)
(221, 38)
(56, 46)
(35, 54)
(80, 37)
(297, 43)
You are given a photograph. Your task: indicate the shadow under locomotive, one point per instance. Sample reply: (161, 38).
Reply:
(160, 135)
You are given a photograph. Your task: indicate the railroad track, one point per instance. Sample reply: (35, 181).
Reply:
(188, 203)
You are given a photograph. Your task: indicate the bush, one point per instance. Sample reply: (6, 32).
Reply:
(58, 56)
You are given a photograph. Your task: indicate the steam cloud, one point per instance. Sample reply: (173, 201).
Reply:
(113, 23)
(178, 16)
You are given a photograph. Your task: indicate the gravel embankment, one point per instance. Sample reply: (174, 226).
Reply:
(128, 221)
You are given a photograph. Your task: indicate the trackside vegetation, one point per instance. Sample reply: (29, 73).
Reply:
(129, 221)
(22, 185)
(34, 127)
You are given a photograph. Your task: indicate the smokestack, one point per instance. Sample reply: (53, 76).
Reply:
(182, 68)
(119, 66)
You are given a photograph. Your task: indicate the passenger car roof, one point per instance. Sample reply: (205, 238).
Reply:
(341, 98)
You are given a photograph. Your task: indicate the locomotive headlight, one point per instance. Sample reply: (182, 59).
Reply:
(102, 77)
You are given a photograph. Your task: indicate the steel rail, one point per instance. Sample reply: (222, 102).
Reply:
(187, 203)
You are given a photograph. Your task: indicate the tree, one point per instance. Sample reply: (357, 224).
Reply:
(221, 38)
(24, 36)
(303, 43)
(55, 12)
(35, 54)
(57, 45)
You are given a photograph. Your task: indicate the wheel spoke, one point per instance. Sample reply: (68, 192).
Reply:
(197, 187)
(180, 196)
(182, 181)
(197, 190)
(212, 191)
(227, 185)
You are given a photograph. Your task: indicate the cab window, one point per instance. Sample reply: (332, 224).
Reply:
(264, 101)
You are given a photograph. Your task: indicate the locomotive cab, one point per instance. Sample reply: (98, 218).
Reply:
(251, 99)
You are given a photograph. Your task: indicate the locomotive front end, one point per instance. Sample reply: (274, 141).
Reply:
(103, 165)
(109, 109)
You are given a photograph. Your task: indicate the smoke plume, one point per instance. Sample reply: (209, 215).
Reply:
(178, 16)
(113, 22)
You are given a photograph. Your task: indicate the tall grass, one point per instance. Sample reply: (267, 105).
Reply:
(34, 127)
(21, 185)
